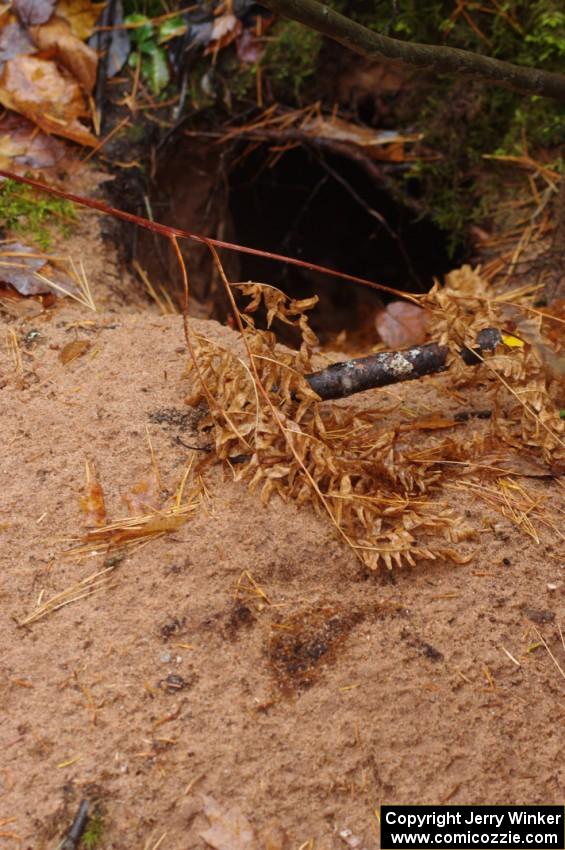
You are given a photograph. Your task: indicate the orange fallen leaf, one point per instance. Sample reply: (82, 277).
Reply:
(92, 503)
(365, 137)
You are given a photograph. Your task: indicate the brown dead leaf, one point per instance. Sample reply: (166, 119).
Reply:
(47, 95)
(73, 350)
(81, 15)
(401, 324)
(57, 38)
(33, 12)
(229, 828)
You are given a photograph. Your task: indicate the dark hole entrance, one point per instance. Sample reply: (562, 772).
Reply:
(329, 212)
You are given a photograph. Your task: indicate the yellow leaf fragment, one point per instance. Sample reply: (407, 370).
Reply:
(512, 341)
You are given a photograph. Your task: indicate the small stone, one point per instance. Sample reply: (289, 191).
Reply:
(551, 587)
(165, 657)
(178, 659)
(174, 683)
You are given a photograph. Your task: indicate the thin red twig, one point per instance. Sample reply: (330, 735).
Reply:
(169, 232)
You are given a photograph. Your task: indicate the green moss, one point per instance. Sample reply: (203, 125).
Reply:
(92, 836)
(30, 213)
(136, 133)
(238, 78)
(291, 59)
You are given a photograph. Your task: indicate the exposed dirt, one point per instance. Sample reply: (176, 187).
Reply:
(307, 706)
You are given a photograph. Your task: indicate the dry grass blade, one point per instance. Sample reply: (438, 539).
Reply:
(514, 503)
(82, 294)
(14, 349)
(163, 301)
(247, 585)
(88, 586)
(550, 653)
(134, 529)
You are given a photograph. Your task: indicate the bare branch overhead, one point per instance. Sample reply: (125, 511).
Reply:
(450, 60)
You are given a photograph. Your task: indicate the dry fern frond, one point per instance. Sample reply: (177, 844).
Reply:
(372, 493)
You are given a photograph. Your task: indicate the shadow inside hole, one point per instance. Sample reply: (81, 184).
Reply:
(327, 211)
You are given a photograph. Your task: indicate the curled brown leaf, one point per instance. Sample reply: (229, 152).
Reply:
(47, 95)
(57, 38)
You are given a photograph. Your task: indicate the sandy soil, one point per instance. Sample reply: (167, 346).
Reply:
(306, 709)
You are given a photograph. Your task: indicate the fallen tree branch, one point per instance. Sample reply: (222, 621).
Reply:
(391, 367)
(450, 60)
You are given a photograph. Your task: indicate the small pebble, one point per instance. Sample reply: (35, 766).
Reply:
(551, 587)
(165, 657)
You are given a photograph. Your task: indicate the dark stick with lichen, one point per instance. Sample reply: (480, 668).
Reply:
(391, 367)
(77, 828)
